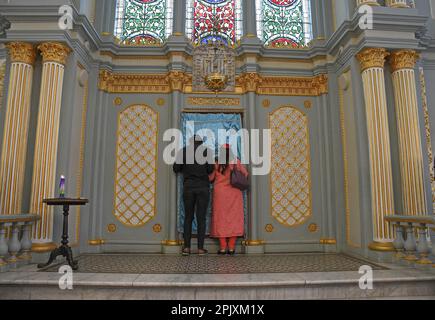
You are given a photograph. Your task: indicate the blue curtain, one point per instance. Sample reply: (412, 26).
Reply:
(212, 122)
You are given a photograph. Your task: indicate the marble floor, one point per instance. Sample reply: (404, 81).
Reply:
(390, 281)
(214, 264)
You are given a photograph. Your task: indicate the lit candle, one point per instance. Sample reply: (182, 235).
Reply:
(62, 187)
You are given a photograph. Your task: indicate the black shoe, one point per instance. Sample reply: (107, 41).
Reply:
(202, 252)
(186, 252)
(231, 252)
(222, 252)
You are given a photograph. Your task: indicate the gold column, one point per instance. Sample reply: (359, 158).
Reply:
(47, 134)
(13, 156)
(397, 4)
(372, 67)
(408, 129)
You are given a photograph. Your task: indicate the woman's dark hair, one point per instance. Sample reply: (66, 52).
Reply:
(223, 163)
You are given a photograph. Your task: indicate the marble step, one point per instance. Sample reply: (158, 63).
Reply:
(387, 284)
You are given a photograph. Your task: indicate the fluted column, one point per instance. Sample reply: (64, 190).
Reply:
(397, 3)
(47, 135)
(253, 244)
(408, 129)
(176, 80)
(13, 155)
(367, 2)
(372, 66)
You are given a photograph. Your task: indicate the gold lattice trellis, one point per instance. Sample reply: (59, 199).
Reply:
(135, 185)
(291, 167)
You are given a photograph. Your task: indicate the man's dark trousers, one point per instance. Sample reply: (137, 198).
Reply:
(195, 197)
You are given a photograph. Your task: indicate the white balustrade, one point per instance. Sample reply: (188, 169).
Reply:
(15, 240)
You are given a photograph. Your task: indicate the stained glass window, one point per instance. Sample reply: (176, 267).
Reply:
(143, 21)
(284, 23)
(214, 20)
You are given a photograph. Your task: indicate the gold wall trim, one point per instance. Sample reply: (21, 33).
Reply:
(428, 134)
(290, 178)
(136, 166)
(79, 179)
(199, 101)
(178, 81)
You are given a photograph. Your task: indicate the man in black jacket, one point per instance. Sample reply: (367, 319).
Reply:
(196, 189)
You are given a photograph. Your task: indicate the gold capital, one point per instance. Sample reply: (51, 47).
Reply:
(22, 52)
(250, 81)
(321, 83)
(372, 58)
(177, 80)
(54, 52)
(403, 59)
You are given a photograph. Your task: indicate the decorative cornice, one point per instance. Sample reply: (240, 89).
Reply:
(180, 81)
(54, 52)
(22, 52)
(291, 86)
(372, 58)
(133, 83)
(403, 59)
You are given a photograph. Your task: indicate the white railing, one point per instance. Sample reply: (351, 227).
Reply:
(412, 242)
(16, 240)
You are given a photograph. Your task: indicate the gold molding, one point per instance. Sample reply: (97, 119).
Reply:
(403, 59)
(157, 228)
(326, 241)
(54, 52)
(202, 101)
(43, 247)
(372, 58)
(179, 81)
(269, 228)
(172, 243)
(96, 242)
(117, 101)
(253, 243)
(313, 228)
(22, 52)
(111, 228)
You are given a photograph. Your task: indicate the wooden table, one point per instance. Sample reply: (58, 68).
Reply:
(64, 250)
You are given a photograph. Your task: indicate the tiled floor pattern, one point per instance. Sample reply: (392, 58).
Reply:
(213, 264)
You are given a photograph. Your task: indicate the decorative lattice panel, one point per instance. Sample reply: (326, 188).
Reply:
(135, 186)
(290, 176)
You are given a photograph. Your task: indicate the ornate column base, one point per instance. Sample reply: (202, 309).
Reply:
(382, 246)
(43, 247)
(254, 246)
(172, 246)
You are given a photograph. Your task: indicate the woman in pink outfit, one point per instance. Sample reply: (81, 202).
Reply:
(228, 212)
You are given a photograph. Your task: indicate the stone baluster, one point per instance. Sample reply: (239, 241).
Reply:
(399, 242)
(423, 246)
(397, 4)
(26, 242)
(410, 243)
(4, 249)
(14, 243)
